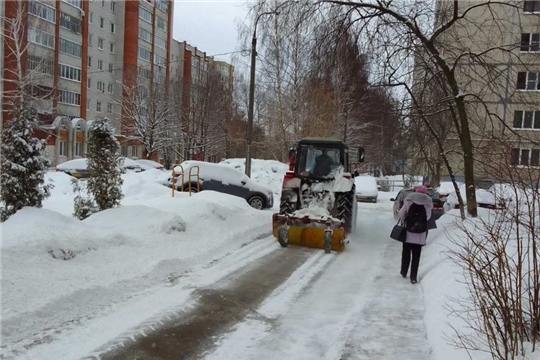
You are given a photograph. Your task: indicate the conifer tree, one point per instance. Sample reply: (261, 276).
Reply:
(104, 161)
(22, 179)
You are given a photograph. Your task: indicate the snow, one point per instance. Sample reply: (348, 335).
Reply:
(146, 164)
(82, 164)
(128, 268)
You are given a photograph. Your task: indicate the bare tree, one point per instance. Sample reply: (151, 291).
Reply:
(146, 111)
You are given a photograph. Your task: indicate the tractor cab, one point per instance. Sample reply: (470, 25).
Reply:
(320, 158)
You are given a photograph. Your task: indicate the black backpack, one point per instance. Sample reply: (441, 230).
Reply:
(416, 219)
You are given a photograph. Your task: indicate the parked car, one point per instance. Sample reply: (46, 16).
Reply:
(438, 209)
(366, 188)
(146, 164)
(223, 179)
(78, 168)
(484, 199)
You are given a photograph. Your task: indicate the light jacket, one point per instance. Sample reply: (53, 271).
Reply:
(420, 199)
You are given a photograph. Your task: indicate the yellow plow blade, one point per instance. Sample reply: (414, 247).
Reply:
(310, 234)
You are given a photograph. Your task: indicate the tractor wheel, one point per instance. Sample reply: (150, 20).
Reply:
(347, 207)
(283, 236)
(286, 207)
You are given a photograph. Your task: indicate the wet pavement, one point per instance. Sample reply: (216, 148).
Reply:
(193, 334)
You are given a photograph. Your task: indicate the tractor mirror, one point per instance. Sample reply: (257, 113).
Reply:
(361, 154)
(292, 152)
(292, 158)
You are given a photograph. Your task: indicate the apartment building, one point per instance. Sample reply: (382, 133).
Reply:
(496, 52)
(194, 81)
(79, 53)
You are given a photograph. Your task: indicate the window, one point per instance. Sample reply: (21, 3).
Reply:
(102, 3)
(144, 54)
(144, 72)
(90, 37)
(111, 48)
(100, 64)
(98, 106)
(528, 81)
(70, 48)
(76, 3)
(88, 103)
(101, 86)
(101, 22)
(62, 148)
(111, 68)
(89, 83)
(161, 23)
(69, 72)
(41, 10)
(69, 98)
(40, 37)
(89, 61)
(100, 43)
(159, 60)
(526, 119)
(70, 23)
(145, 35)
(162, 5)
(109, 108)
(145, 15)
(530, 42)
(113, 6)
(110, 88)
(91, 18)
(78, 149)
(531, 6)
(161, 42)
(525, 157)
(39, 64)
(113, 29)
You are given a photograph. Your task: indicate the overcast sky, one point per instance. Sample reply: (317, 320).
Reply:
(210, 25)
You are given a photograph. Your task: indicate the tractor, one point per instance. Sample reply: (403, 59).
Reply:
(318, 198)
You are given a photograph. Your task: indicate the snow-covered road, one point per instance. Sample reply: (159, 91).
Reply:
(353, 305)
(297, 303)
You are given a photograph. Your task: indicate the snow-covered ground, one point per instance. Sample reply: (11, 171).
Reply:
(137, 264)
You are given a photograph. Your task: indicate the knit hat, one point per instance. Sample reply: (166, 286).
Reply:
(421, 189)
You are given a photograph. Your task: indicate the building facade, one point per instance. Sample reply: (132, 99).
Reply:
(495, 53)
(79, 55)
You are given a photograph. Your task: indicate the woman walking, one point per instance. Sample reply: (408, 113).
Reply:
(415, 212)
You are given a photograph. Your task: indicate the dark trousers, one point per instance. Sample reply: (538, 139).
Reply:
(406, 259)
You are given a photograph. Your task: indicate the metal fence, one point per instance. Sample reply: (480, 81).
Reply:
(396, 185)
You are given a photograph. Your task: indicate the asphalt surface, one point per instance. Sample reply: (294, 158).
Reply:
(192, 334)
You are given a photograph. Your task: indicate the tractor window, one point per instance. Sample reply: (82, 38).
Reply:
(318, 161)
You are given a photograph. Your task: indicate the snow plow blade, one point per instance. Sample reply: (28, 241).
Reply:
(314, 233)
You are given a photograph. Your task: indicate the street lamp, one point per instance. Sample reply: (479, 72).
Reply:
(252, 92)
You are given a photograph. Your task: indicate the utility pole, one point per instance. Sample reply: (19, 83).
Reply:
(249, 136)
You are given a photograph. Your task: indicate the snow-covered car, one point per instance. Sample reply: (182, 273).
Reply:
(446, 188)
(366, 188)
(146, 164)
(222, 178)
(78, 168)
(484, 199)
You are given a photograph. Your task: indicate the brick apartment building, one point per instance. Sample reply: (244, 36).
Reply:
(81, 50)
(505, 107)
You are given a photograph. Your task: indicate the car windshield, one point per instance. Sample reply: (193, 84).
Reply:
(319, 162)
